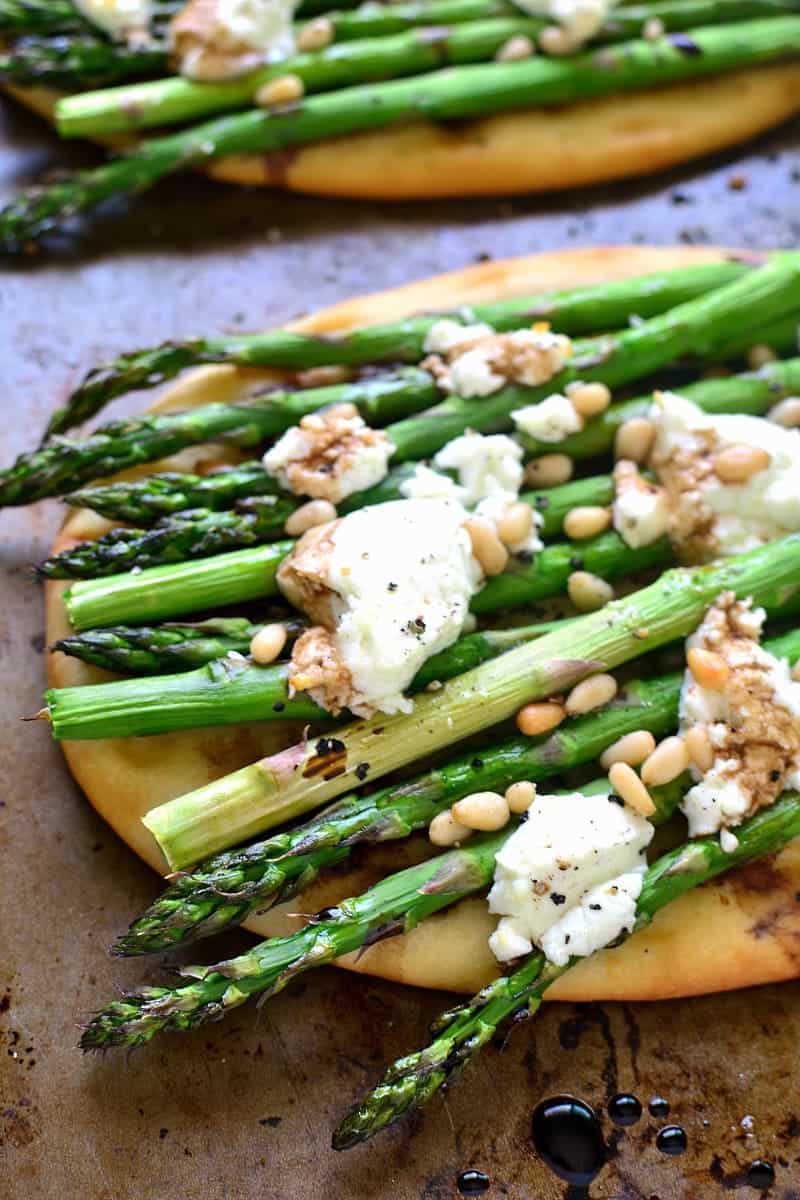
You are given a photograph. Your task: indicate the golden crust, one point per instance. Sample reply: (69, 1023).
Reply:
(748, 925)
(617, 137)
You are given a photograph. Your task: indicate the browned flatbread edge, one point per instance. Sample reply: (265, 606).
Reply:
(746, 927)
(536, 150)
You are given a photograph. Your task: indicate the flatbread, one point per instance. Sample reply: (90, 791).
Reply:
(544, 150)
(742, 930)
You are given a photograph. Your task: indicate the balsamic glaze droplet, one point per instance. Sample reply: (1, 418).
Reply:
(672, 1140)
(472, 1183)
(624, 1109)
(760, 1174)
(568, 1137)
(658, 1107)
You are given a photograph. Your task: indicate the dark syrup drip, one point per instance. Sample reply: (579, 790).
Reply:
(472, 1183)
(760, 1174)
(624, 1109)
(658, 1107)
(567, 1136)
(672, 1140)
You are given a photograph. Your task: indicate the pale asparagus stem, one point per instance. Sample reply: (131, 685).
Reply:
(304, 776)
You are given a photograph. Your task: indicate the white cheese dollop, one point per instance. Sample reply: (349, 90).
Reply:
(490, 475)
(580, 18)
(117, 18)
(265, 25)
(551, 420)
(641, 516)
(446, 334)
(362, 462)
(558, 866)
(403, 574)
(750, 514)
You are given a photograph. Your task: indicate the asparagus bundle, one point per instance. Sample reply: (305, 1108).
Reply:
(459, 1034)
(582, 310)
(227, 888)
(466, 91)
(390, 44)
(283, 786)
(394, 905)
(65, 61)
(200, 532)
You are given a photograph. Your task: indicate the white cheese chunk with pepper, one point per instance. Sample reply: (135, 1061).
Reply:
(551, 420)
(551, 874)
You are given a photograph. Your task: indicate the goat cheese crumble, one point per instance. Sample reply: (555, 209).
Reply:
(641, 509)
(551, 420)
(490, 475)
(567, 880)
(391, 584)
(752, 723)
(118, 18)
(580, 19)
(330, 455)
(711, 517)
(224, 39)
(473, 360)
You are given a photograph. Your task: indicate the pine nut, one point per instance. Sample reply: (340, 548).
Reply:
(728, 841)
(315, 512)
(669, 759)
(316, 377)
(516, 49)
(588, 399)
(539, 718)
(555, 40)
(286, 89)
(634, 440)
(520, 796)
(588, 592)
(444, 830)
(486, 546)
(787, 413)
(653, 29)
(709, 668)
(737, 464)
(591, 693)
(482, 810)
(631, 748)
(549, 471)
(759, 355)
(796, 672)
(316, 35)
(515, 524)
(627, 784)
(698, 745)
(268, 643)
(586, 521)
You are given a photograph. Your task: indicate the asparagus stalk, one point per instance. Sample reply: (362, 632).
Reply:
(466, 91)
(199, 533)
(77, 61)
(698, 327)
(40, 16)
(459, 1034)
(168, 648)
(162, 593)
(65, 464)
(186, 536)
(146, 501)
(579, 310)
(390, 44)
(395, 905)
(283, 786)
(227, 888)
(228, 691)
